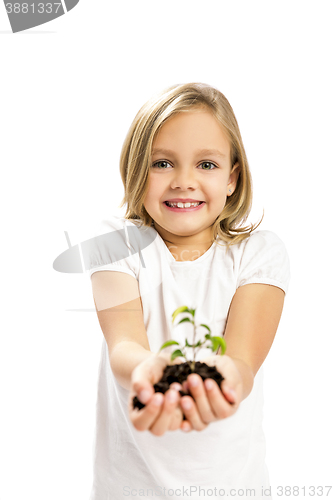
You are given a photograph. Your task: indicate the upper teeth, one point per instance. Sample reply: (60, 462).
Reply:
(184, 205)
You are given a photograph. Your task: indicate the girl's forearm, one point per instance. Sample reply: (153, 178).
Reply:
(125, 356)
(246, 374)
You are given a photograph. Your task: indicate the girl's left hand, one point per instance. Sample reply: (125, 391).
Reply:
(210, 403)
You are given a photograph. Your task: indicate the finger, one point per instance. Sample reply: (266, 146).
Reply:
(185, 386)
(162, 423)
(146, 374)
(230, 385)
(176, 386)
(230, 392)
(143, 391)
(219, 404)
(143, 419)
(191, 413)
(199, 395)
(176, 420)
(186, 426)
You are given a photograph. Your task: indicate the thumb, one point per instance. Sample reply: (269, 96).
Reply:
(144, 391)
(146, 374)
(142, 386)
(228, 392)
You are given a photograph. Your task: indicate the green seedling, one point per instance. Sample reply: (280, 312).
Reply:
(215, 342)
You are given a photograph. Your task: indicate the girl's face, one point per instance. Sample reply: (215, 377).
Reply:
(191, 159)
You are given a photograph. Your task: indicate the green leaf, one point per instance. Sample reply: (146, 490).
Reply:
(180, 310)
(207, 336)
(192, 311)
(184, 319)
(215, 345)
(187, 344)
(194, 345)
(223, 346)
(177, 353)
(169, 342)
(206, 327)
(218, 342)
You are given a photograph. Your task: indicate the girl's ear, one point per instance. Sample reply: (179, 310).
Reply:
(233, 179)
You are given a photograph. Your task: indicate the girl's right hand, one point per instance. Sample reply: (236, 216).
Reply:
(162, 413)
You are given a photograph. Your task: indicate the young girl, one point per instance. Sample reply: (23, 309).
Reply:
(188, 192)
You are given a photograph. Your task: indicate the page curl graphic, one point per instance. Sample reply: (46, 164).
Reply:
(108, 248)
(24, 15)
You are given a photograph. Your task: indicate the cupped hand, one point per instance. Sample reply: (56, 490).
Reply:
(210, 403)
(162, 411)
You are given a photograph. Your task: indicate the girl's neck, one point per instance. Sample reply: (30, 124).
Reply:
(186, 248)
(186, 253)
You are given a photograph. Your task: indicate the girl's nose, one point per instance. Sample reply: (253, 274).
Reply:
(183, 179)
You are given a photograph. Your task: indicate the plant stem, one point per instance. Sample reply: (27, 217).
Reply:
(200, 347)
(194, 332)
(193, 343)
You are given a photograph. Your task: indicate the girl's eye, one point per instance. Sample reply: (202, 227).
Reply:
(205, 163)
(162, 165)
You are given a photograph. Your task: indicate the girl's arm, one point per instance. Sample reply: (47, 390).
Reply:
(119, 310)
(252, 322)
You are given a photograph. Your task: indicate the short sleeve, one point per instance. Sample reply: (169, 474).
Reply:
(109, 250)
(264, 260)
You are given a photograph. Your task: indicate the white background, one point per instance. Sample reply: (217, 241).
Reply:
(69, 92)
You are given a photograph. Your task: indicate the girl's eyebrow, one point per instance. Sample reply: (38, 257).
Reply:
(215, 152)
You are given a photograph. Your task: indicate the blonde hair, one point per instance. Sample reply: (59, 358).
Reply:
(135, 159)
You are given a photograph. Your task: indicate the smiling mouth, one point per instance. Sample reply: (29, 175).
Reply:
(185, 204)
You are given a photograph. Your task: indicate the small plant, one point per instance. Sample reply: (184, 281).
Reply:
(180, 372)
(216, 342)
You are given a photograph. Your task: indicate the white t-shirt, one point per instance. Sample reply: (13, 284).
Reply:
(227, 454)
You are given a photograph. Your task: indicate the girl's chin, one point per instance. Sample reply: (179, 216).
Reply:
(177, 228)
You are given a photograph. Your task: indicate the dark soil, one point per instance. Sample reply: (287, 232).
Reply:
(179, 373)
